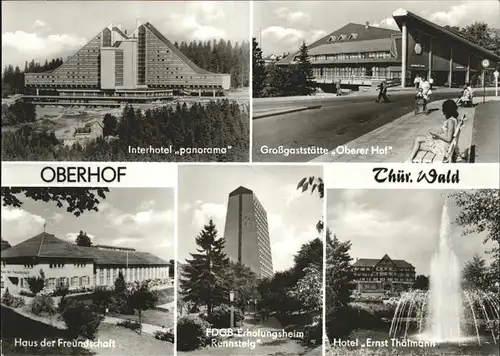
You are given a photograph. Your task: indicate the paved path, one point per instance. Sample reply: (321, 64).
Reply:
(393, 141)
(146, 328)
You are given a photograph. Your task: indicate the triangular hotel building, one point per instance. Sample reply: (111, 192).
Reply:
(115, 67)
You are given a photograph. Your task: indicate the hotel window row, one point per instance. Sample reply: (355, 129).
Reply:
(347, 56)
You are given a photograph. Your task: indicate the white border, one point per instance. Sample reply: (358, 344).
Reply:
(250, 86)
(361, 176)
(144, 175)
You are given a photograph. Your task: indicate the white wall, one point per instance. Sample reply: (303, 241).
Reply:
(107, 67)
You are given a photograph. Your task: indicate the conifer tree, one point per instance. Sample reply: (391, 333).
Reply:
(258, 70)
(305, 77)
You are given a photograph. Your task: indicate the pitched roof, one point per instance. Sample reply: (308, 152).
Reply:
(174, 49)
(372, 262)
(363, 34)
(401, 15)
(47, 245)
(380, 44)
(110, 257)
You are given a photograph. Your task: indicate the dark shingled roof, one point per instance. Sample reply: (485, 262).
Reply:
(240, 190)
(110, 257)
(174, 49)
(47, 245)
(363, 34)
(381, 44)
(372, 262)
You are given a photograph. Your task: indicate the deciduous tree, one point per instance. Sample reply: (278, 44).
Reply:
(76, 200)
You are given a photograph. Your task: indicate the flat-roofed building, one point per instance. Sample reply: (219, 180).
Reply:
(247, 232)
(64, 263)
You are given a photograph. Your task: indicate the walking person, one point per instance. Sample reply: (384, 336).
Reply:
(382, 87)
(339, 92)
(417, 80)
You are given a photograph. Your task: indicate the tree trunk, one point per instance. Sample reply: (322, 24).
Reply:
(140, 322)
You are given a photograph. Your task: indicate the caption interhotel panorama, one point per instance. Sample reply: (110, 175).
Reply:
(116, 67)
(164, 166)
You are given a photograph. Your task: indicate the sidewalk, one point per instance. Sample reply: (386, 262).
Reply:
(485, 136)
(392, 142)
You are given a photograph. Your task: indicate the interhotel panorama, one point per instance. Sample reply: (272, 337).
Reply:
(64, 263)
(116, 68)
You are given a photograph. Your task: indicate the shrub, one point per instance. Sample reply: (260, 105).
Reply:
(61, 291)
(314, 331)
(7, 298)
(119, 304)
(26, 294)
(102, 297)
(221, 316)
(164, 335)
(42, 304)
(81, 320)
(12, 301)
(130, 324)
(191, 333)
(36, 284)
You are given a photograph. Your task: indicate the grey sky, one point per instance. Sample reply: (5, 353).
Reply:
(48, 29)
(129, 217)
(292, 216)
(283, 25)
(402, 223)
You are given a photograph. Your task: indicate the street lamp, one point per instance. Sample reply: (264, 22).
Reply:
(495, 73)
(231, 299)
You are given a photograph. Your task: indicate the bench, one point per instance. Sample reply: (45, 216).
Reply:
(452, 153)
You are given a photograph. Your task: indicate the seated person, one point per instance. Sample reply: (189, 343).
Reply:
(438, 142)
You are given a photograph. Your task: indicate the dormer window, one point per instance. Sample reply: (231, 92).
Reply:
(353, 36)
(332, 38)
(342, 37)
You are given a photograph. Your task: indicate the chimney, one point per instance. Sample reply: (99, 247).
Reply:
(367, 25)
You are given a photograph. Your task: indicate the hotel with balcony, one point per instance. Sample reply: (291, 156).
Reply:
(360, 56)
(383, 275)
(64, 263)
(115, 68)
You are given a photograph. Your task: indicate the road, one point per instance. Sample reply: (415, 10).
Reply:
(337, 122)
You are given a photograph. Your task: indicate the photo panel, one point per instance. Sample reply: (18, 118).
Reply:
(364, 81)
(412, 272)
(131, 81)
(87, 271)
(250, 260)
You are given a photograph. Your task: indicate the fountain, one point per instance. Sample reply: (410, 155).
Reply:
(444, 314)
